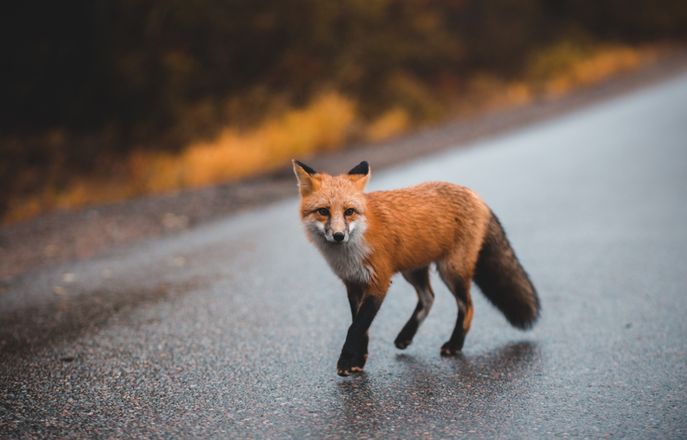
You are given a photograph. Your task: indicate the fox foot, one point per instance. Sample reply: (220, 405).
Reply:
(350, 364)
(405, 336)
(402, 343)
(451, 348)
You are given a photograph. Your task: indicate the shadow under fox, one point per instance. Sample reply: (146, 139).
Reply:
(368, 237)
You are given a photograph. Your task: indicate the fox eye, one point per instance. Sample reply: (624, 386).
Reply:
(323, 211)
(349, 212)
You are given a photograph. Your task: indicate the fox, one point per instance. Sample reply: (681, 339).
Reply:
(368, 237)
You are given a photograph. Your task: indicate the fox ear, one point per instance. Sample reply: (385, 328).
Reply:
(306, 176)
(360, 174)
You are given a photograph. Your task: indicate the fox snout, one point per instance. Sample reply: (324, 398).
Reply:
(337, 237)
(336, 230)
(332, 229)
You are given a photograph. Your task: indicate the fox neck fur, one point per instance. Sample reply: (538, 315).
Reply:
(348, 260)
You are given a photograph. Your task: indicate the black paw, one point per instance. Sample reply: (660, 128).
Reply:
(405, 336)
(402, 344)
(450, 349)
(350, 363)
(358, 362)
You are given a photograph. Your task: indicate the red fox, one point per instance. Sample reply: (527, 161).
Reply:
(368, 237)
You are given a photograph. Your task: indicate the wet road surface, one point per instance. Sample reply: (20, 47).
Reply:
(233, 329)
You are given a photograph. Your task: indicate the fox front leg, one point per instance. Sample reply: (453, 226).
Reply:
(354, 351)
(355, 296)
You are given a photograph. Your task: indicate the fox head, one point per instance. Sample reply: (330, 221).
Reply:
(333, 207)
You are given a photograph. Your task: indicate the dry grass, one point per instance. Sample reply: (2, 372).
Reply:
(327, 123)
(322, 125)
(391, 123)
(552, 73)
(565, 66)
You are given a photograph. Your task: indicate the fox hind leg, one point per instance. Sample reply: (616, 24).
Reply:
(459, 285)
(419, 278)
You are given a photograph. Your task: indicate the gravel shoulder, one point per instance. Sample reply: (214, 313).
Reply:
(80, 234)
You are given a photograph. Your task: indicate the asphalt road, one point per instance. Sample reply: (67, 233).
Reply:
(233, 329)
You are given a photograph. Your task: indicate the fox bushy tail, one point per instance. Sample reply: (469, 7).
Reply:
(503, 280)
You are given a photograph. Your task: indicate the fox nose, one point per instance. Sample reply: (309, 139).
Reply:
(338, 236)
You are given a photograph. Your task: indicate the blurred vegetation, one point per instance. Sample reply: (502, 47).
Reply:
(108, 99)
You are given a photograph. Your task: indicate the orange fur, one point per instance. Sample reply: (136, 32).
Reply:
(413, 227)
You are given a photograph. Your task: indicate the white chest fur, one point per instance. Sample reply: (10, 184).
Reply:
(347, 260)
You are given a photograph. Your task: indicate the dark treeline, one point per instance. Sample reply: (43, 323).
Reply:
(155, 73)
